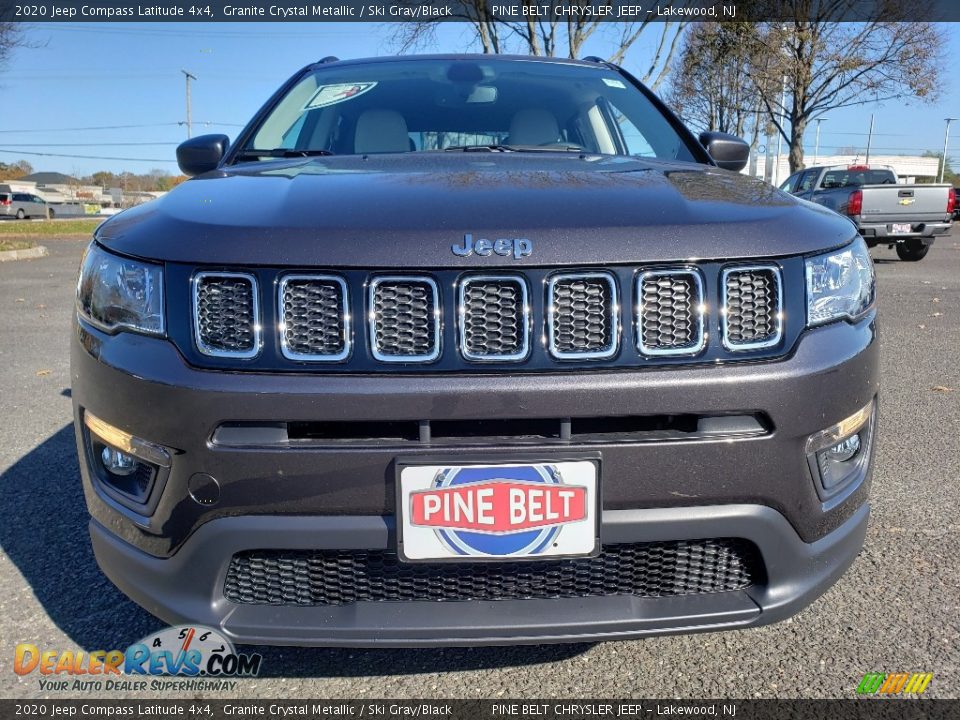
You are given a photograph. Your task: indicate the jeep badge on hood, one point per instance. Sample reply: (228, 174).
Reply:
(518, 247)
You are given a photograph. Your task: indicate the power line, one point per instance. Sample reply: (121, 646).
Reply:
(120, 127)
(103, 144)
(87, 157)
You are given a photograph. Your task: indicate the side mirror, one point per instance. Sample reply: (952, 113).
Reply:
(201, 154)
(728, 151)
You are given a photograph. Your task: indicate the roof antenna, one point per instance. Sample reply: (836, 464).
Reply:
(329, 59)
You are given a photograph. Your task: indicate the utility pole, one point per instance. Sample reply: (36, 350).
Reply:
(946, 139)
(188, 78)
(869, 140)
(816, 149)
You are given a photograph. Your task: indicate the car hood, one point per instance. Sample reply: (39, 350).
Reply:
(409, 210)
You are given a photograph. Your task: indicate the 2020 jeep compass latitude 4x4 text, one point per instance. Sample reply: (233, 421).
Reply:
(471, 349)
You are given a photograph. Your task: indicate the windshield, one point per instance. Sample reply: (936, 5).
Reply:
(429, 105)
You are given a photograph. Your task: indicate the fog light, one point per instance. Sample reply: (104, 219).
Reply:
(839, 454)
(125, 442)
(843, 451)
(128, 467)
(118, 463)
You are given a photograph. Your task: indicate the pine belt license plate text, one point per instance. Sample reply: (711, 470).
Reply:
(901, 228)
(504, 511)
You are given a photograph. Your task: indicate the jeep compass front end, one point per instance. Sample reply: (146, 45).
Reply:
(471, 350)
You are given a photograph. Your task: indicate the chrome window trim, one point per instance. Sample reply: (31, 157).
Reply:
(525, 318)
(257, 322)
(778, 335)
(347, 335)
(614, 315)
(688, 351)
(371, 320)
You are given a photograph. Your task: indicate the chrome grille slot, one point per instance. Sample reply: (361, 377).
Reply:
(314, 318)
(226, 314)
(670, 312)
(752, 307)
(582, 316)
(404, 319)
(494, 318)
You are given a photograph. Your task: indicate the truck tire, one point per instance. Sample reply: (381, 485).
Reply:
(912, 250)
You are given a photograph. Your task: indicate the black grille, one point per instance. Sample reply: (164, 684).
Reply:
(405, 322)
(583, 315)
(494, 318)
(338, 577)
(670, 318)
(313, 318)
(226, 314)
(752, 303)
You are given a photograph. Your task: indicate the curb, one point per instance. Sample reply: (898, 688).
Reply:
(29, 254)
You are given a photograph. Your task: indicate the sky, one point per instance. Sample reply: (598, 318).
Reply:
(80, 76)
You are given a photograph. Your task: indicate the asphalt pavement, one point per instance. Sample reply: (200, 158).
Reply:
(897, 609)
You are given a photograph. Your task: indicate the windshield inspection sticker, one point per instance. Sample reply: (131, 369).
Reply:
(333, 94)
(614, 83)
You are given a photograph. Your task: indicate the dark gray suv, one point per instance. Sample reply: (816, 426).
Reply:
(472, 349)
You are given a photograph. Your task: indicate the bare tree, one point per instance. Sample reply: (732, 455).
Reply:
(11, 38)
(814, 63)
(556, 33)
(709, 89)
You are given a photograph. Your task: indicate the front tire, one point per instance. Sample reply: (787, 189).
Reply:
(912, 250)
(51, 214)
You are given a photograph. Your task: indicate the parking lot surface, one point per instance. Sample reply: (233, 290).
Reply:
(897, 609)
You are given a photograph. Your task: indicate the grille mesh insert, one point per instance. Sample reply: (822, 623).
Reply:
(669, 319)
(752, 307)
(226, 315)
(338, 577)
(584, 318)
(405, 322)
(313, 318)
(494, 318)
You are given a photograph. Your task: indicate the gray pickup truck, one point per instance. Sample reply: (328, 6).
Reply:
(886, 212)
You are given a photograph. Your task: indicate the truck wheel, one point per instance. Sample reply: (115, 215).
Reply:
(912, 250)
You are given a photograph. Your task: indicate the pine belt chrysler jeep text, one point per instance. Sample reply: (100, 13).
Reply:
(473, 349)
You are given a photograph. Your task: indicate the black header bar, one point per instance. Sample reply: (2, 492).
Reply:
(306, 709)
(622, 11)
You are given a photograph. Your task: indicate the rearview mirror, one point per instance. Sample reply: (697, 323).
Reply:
(728, 151)
(201, 154)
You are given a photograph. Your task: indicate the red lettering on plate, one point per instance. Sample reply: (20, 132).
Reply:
(498, 506)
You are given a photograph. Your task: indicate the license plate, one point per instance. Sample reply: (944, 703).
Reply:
(901, 228)
(500, 511)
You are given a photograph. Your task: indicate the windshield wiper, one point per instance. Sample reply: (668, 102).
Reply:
(250, 153)
(480, 148)
(514, 148)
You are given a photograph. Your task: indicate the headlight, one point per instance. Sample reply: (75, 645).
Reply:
(840, 284)
(116, 293)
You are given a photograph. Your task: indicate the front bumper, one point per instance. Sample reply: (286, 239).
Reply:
(174, 559)
(187, 587)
